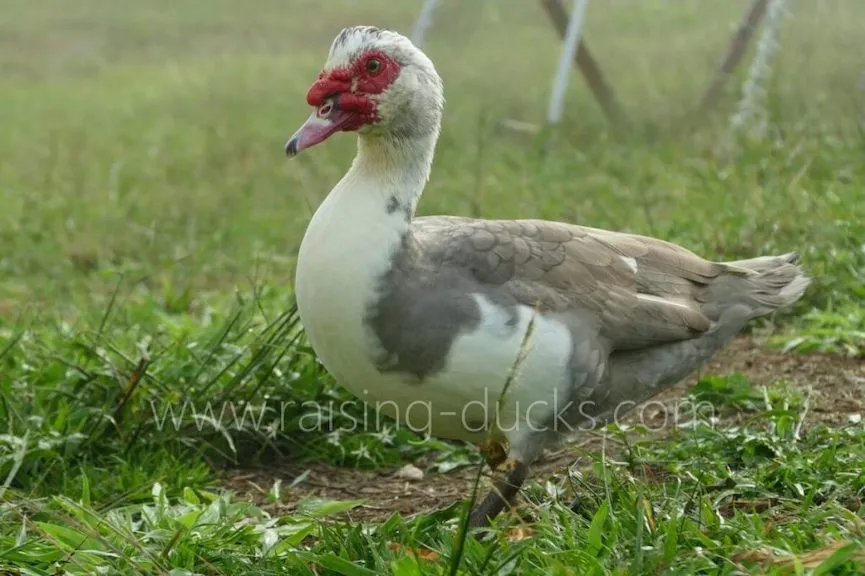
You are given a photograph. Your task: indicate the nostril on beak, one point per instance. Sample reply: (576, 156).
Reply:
(330, 104)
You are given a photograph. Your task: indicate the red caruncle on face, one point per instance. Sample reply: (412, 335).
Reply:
(372, 72)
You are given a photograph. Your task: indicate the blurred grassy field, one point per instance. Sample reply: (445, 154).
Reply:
(149, 222)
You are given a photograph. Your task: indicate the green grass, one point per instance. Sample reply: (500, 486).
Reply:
(149, 224)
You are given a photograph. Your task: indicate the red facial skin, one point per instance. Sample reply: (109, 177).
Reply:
(342, 100)
(352, 84)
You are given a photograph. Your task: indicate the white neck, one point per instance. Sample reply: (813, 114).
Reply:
(350, 241)
(370, 208)
(386, 169)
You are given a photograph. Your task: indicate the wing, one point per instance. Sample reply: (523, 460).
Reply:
(637, 291)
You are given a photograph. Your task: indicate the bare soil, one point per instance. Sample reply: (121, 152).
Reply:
(836, 388)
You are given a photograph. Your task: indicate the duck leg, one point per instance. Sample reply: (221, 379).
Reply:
(494, 452)
(508, 479)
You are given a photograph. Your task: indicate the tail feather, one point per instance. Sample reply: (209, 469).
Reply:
(768, 283)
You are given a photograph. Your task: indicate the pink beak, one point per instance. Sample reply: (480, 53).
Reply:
(324, 121)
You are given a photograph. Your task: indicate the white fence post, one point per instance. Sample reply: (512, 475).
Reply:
(569, 51)
(423, 22)
(752, 106)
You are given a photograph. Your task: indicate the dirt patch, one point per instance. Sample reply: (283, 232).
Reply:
(837, 393)
(836, 383)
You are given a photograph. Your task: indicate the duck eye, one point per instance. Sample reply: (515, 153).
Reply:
(373, 66)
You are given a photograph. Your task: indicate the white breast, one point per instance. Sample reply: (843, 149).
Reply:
(336, 284)
(345, 251)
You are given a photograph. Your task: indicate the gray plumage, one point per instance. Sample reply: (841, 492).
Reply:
(580, 276)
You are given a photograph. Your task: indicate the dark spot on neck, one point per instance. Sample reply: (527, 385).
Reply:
(394, 205)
